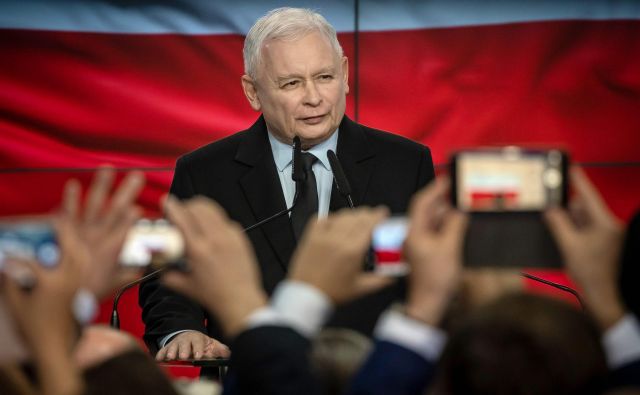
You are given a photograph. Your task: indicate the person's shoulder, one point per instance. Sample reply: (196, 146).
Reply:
(223, 149)
(384, 140)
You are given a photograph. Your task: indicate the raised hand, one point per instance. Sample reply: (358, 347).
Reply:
(590, 238)
(433, 249)
(222, 269)
(103, 221)
(332, 250)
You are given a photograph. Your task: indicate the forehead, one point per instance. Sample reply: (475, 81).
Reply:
(304, 54)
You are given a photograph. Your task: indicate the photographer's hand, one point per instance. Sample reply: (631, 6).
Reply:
(590, 239)
(103, 222)
(433, 249)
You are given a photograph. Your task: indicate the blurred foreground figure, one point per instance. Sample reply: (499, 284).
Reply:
(519, 344)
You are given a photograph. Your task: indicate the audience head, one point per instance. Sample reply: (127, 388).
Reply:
(336, 355)
(523, 344)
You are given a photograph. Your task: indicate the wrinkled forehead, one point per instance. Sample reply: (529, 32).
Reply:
(266, 55)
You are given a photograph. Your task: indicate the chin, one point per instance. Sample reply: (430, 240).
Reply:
(314, 138)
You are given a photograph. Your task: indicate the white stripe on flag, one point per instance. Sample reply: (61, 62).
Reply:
(224, 17)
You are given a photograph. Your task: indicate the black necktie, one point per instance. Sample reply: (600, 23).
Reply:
(308, 200)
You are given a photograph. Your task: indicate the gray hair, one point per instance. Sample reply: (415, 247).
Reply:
(284, 23)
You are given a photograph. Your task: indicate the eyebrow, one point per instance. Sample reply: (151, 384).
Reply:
(324, 70)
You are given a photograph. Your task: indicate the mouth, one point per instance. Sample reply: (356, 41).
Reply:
(313, 120)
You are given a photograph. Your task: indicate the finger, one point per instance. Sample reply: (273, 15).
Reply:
(455, 224)
(197, 346)
(71, 198)
(221, 351)
(98, 192)
(561, 227)
(421, 208)
(361, 229)
(184, 349)
(367, 283)
(209, 350)
(209, 216)
(178, 215)
(69, 243)
(593, 202)
(116, 236)
(162, 354)
(172, 350)
(177, 281)
(124, 198)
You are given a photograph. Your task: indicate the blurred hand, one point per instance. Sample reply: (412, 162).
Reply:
(433, 249)
(223, 272)
(45, 310)
(44, 313)
(192, 345)
(590, 238)
(103, 223)
(332, 250)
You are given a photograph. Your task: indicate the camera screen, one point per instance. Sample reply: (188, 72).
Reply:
(29, 241)
(151, 243)
(387, 240)
(509, 180)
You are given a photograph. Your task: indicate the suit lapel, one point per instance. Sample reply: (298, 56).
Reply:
(356, 158)
(262, 189)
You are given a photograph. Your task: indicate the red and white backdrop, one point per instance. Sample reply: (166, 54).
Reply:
(138, 83)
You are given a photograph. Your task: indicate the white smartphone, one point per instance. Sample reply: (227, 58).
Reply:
(387, 240)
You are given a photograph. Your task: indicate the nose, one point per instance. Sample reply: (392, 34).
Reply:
(312, 95)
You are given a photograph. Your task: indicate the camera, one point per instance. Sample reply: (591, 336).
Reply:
(508, 179)
(154, 243)
(386, 243)
(28, 239)
(505, 190)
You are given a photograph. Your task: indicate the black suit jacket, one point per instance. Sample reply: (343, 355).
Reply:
(239, 173)
(271, 360)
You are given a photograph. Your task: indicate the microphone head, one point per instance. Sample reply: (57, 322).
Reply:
(296, 171)
(338, 173)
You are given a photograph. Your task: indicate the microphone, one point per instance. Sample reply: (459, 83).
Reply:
(115, 319)
(341, 179)
(296, 171)
(297, 175)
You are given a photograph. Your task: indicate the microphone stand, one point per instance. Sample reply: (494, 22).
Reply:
(115, 319)
(555, 285)
(296, 175)
(339, 176)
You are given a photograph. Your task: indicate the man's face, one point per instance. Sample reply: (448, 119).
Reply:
(300, 88)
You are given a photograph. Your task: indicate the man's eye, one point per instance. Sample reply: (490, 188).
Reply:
(326, 77)
(291, 84)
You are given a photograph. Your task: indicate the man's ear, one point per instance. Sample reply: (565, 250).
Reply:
(345, 73)
(250, 91)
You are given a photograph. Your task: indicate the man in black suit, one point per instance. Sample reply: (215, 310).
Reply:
(297, 76)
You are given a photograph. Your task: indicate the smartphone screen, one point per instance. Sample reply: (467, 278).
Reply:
(387, 240)
(154, 243)
(509, 179)
(28, 240)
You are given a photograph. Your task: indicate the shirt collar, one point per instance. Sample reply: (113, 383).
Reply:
(282, 152)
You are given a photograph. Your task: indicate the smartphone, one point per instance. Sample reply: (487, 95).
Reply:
(508, 179)
(387, 240)
(154, 243)
(28, 239)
